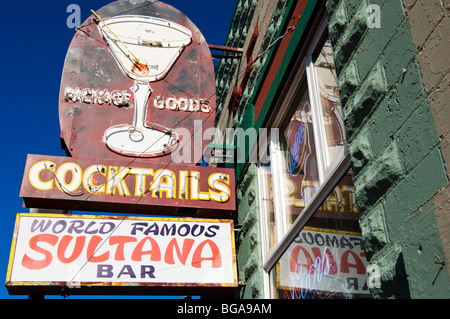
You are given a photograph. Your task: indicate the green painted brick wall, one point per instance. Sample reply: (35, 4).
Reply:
(248, 240)
(394, 147)
(395, 150)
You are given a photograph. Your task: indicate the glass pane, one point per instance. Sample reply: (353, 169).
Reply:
(329, 103)
(301, 176)
(327, 258)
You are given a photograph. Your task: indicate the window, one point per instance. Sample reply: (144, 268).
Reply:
(313, 248)
(326, 258)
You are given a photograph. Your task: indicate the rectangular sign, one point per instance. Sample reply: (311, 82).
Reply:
(321, 260)
(66, 252)
(133, 186)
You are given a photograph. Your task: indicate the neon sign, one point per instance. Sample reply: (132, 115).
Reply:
(87, 184)
(152, 63)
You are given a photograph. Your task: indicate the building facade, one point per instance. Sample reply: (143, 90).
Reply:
(335, 120)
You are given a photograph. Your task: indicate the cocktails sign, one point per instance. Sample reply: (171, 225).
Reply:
(137, 94)
(116, 186)
(62, 253)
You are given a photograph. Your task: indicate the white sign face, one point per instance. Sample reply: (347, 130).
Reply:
(324, 261)
(99, 250)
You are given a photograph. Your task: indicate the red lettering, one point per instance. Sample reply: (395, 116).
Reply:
(92, 248)
(294, 264)
(182, 256)
(62, 247)
(120, 241)
(31, 263)
(155, 252)
(216, 257)
(325, 260)
(345, 264)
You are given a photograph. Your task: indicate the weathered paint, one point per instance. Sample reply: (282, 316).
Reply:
(124, 187)
(429, 21)
(97, 100)
(394, 146)
(221, 234)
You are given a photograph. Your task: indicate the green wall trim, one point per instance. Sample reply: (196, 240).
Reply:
(288, 60)
(247, 119)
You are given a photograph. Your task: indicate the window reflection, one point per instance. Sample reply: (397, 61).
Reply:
(267, 204)
(327, 258)
(301, 178)
(329, 102)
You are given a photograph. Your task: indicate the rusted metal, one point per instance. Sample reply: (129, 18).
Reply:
(236, 53)
(137, 186)
(225, 48)
(98, 100)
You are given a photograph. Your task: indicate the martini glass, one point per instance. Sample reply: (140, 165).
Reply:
(145, 48)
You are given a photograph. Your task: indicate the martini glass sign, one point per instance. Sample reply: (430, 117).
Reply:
(145, 48)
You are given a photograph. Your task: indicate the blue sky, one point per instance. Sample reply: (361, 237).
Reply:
(34, 41)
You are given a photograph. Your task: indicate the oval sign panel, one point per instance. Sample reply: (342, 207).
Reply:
(138, 81)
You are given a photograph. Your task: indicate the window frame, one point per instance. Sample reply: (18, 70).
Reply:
(329, 173)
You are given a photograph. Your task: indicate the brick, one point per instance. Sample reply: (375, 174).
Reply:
(349, 40)
(250, 214)
(398, 54)
(253, 288)
(352, 6)
(348, 82)
(384, 123)
(417, 136)
(423, 16)
(404, 98)
(365, 99)
(361, 151)
(331, 6)
(394, 283)
(441, 203)
(446, 4)
(414, 190)
(382, 174)
(430, 174)
(411, 92)
(376, 39)
(252, 265)
(434, 60)
(445, 145)
(337, 24)
(373, 228)
(421, 248)
(408, 3)
(440, 107)
(248, 241)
